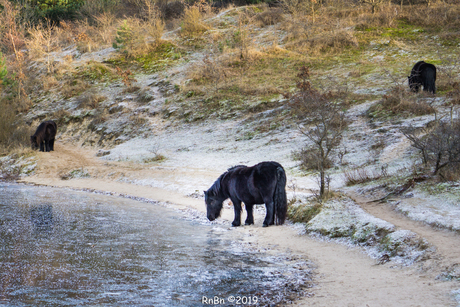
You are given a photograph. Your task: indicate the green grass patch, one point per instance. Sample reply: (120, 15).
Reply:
(303, 213)
(97, 72)
(160, 58)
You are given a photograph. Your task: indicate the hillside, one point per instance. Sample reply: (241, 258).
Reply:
(161, 113)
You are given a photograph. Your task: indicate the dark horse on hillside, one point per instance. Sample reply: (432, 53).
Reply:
(423, 74)
(263, 183)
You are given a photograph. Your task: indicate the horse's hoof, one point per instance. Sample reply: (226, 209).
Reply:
(235, 224)
(265, 225)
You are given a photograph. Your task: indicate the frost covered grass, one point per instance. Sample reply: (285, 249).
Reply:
(16, 165)
(344, 221)
(442, 210)
(456, 295)
(76, 174)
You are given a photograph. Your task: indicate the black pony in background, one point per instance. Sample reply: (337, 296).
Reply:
(44, 136)
(263, 183)
(423, 74)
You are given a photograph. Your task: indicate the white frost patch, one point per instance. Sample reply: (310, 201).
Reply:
(406, 246)
(346, 223)
(13, 166)
(441, 211)
(345, 218)
(456, 295)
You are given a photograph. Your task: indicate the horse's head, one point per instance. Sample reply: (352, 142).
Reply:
(213, 204)
(34, 142)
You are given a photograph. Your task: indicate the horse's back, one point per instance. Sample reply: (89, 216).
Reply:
(265, 174)
(255, 180)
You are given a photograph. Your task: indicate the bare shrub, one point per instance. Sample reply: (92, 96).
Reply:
(297, 29)
(362, 175)
(309, 159)
(315, 39)
(11, 32)
(138, 36)
(90, 100)
(48, 82)
(157, 157)
(301, 7)
(323, 123)
(400, 101)
(442, 15)
(192, 22)
(13, 133)
(374, 4)
(42, 42)
(385, 16)
(106, 27)
(270, 17)
(171, 10)
(439, 146)
(213, 70)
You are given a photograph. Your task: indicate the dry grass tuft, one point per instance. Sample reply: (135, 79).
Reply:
(192, 22)
(13, 132)
(270, 17)
(137, 36)
(362, 175)
(74, 87)
(106, 27)
(400, 101)
(90, 100)
(42, 41)
(303, 213)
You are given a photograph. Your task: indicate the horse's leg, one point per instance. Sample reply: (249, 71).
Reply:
(250, 217)
(270, 216)
(237, 209)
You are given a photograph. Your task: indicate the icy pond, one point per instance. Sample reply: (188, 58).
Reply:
(60, 247)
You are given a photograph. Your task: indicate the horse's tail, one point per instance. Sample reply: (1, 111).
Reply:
(431, 79)
(280, 198)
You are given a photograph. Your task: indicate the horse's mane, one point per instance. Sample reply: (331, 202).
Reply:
(235, 167)
(215, 188)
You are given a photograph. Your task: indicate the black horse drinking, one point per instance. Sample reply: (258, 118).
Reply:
(263, 183)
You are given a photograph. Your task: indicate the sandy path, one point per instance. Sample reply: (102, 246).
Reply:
(345, 277)
(447, 242)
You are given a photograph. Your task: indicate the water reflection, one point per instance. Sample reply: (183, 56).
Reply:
(65, 248)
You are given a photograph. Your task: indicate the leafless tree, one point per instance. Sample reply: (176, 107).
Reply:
(439, 147)
(323, 123)
(374, 3)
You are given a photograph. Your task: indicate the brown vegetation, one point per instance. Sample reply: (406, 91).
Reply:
(236, 64)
